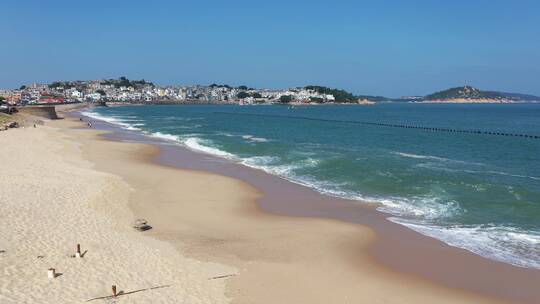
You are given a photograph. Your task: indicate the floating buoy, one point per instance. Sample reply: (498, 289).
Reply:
(388, 124)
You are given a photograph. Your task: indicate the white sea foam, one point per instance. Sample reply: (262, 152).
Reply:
(425, 207)
(254, 139)
(500, 243)
(269, 164)
(435, 158)
(205, 146)
(260, 160)
(418, 156)
(112, 120)
(165, 136)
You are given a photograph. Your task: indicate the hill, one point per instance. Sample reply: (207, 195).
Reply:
(471, 93)
(343, 96)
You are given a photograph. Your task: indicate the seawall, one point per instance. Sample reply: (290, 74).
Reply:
(48, 112)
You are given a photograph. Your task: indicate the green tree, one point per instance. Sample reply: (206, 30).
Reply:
(256, 95)
(242, 95)
(2, 99)
(339, 95)
(285, 98)
(22, 87)
(242, 87)
(101, 92)
(55, 84)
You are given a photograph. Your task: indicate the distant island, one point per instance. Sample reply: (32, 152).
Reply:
(468, 94)
(125, 91)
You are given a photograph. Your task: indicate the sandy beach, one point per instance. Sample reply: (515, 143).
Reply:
(51, 199)
(63, 184)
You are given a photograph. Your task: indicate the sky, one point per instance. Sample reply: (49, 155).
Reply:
(390, 48)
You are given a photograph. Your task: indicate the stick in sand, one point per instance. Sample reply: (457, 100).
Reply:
(78, 253)
(114, 290)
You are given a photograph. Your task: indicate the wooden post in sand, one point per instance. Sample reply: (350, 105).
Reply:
(51, 273)
(114, 290)
(78, 253)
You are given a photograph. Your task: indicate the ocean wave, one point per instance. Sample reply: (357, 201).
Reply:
(260, 160)
(194, 143)
(501, 243)
(270, 164)
(225, 134)
(433, 157)
(420, 207)
(112, 120)
(254, 139)
(419, 213)
(310, 162)
(486, 172)
(203, 145)
(165, 136)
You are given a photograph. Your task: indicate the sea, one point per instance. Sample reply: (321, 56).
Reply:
(466, 174)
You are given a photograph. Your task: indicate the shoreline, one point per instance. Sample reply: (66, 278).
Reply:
(436, 261)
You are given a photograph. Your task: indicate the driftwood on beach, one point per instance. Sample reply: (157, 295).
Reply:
(125, 293)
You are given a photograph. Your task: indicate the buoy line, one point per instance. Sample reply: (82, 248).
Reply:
(404, 126)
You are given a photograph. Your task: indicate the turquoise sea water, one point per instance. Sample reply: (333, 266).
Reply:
(472, 190)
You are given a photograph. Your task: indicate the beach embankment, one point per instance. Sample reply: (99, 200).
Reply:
(210, 242)
(47, 112)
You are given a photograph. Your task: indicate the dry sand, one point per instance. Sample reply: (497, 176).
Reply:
(61, 186)
(50, 200)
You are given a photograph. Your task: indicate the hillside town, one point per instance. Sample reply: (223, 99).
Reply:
(123, 90)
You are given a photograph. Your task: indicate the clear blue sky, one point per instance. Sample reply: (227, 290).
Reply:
(389, 48)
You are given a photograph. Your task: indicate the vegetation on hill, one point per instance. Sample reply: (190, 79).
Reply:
(242, 95)
(285, 98)
(214, 85)
(124, 82)
(467, 92)
(521, 97)
(339, 95)
(342, 95)
(372, 98)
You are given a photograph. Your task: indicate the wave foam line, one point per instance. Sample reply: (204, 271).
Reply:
(504, 244)
(113, 120)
